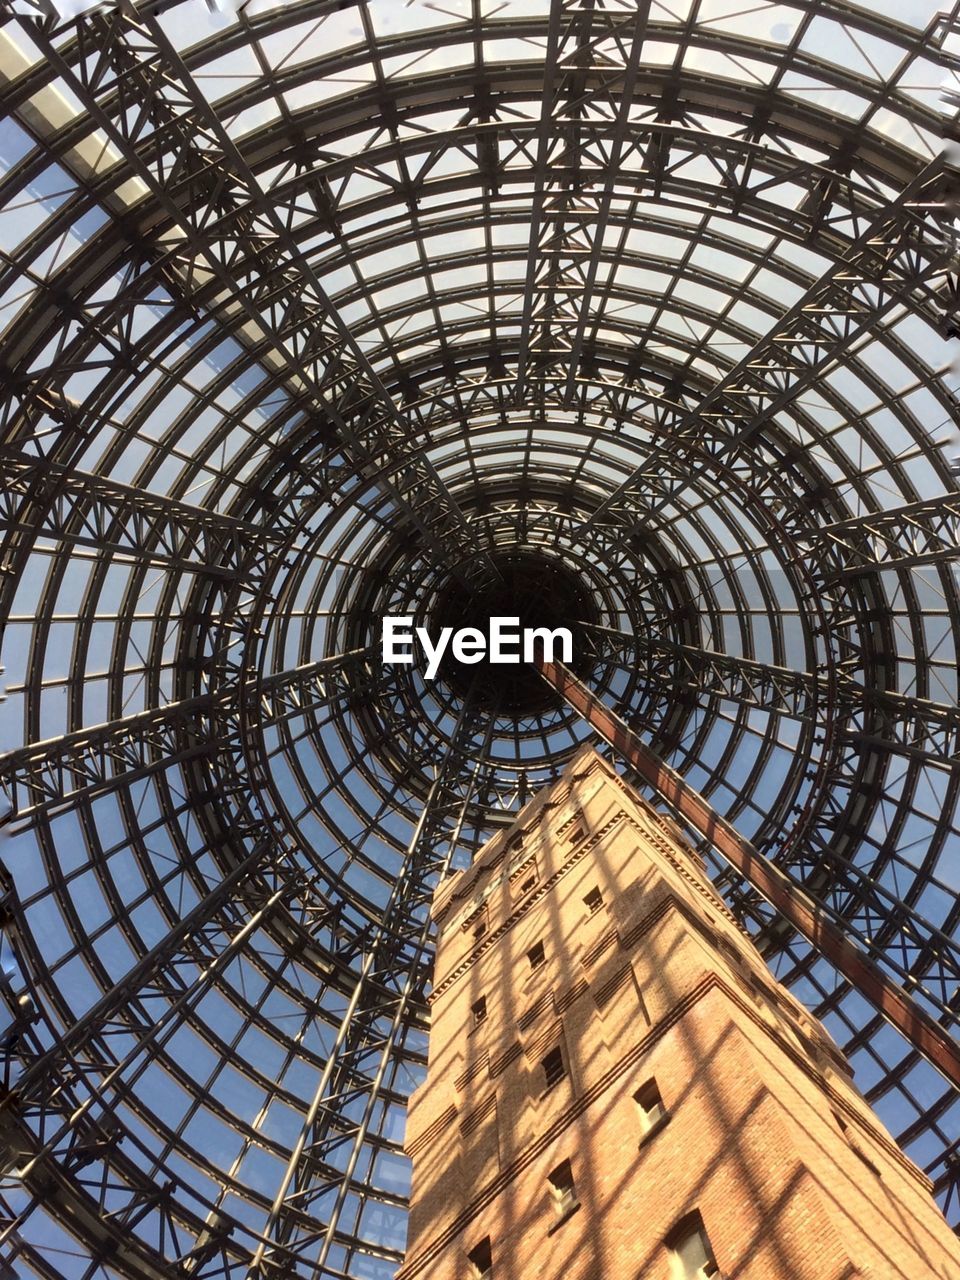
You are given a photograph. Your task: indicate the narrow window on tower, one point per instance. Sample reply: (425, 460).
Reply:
(525, 878)
(480, 1258)
(650, 1107)
(553, 1067)
(513, 852)
(691, 1257)
(536, 955)
(594, 900)
(477, 923)
(479, 1010)
(563, 1193)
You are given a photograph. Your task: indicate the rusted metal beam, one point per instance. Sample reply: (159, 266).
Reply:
(769, 880)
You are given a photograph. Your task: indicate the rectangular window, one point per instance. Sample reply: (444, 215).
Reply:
(562, 1189)
(514, 848)
(537, 955)
(480, 1258)
(524, 877)
(476, 922)
(553, 1067)
(479, 1010)
(576, 833)
(691, 1257)
(650, 1106)
(594, 900)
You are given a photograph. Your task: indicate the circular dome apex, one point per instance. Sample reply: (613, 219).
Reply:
(539, 593)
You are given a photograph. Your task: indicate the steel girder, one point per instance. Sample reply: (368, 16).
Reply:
(591, 68)
(47, 500)
(132, 82)
(912, 726)
(59, 1128)
(46, 777)
(923, 533)
(850, 628)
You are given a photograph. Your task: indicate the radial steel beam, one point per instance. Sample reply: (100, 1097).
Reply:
(779, 889)
(615, 61)
(710, 673)
(72, 507)
(905, 537)
(544, 142)
(59, 1119)
(917, 727)
(445, 810)
(898, 251)
(284, 694)
(202, 942)
(134, 86)
(296, 1237)
(48, 777)
(591, 67)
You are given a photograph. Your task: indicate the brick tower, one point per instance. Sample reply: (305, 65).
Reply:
(617, 1088)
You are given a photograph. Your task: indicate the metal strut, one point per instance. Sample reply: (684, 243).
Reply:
(302, 1225)
(769, 880)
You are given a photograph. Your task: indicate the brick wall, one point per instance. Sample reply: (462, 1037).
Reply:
(763, 1135)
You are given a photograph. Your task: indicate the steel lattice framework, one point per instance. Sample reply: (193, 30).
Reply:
(316, 311)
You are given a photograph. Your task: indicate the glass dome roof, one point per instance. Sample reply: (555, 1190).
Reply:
(635, 311)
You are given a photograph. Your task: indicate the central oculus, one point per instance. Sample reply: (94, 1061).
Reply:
(535, 596)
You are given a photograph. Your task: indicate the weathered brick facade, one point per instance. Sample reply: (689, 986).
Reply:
(652, 991)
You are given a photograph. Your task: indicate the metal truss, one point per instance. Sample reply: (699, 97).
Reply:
(46, 777)
(132, 82)
(42, 499)
(304, 1218)
(589, 70)
(923, 533)
(918, 727)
